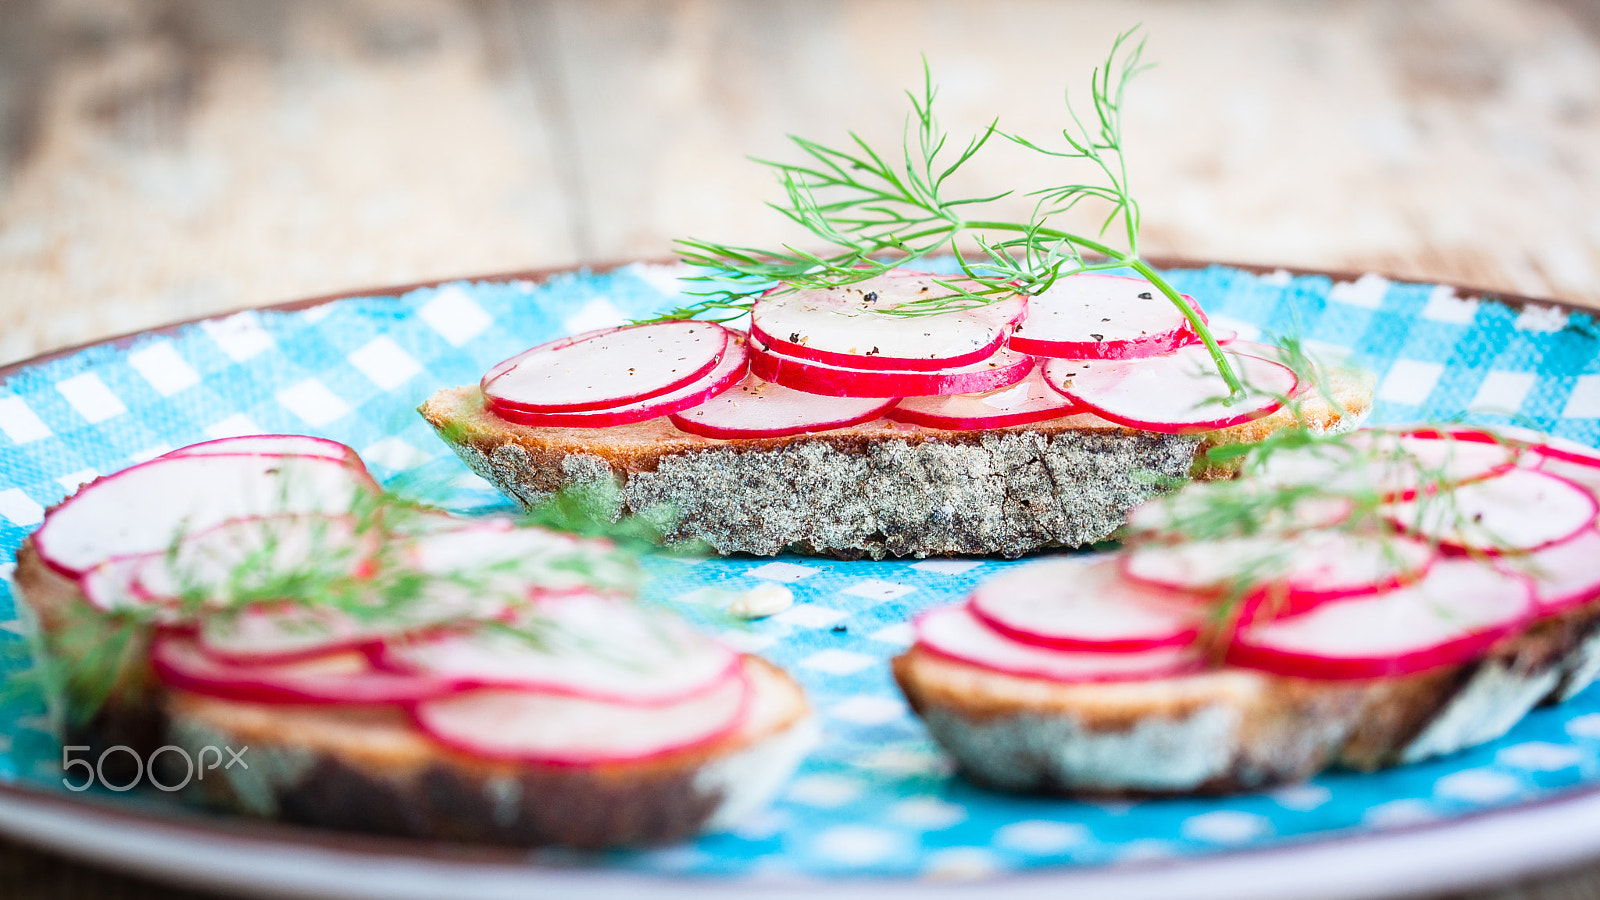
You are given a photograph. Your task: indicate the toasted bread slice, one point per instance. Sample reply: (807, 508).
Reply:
(369, 769)
(1233, 729)
(875, 489)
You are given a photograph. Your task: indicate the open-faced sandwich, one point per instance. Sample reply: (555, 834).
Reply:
(391, 668)
(1361, 601)
(860, 408)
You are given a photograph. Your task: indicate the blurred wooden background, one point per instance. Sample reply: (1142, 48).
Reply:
(163, 159)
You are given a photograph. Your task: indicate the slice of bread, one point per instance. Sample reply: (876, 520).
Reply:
(1234, 729)
(877, 489)
(369, 769)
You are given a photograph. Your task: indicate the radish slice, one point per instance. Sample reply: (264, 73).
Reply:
(485, 563)
(1456, 612)
(956, 632)
(273, 445)
(1564, 574)
(758, 409)
(1580, 471)
(145, 508)
(586, 646)
(1064, 604)
(114, 584)
(1029, 400)
(607, 368)
(1001, 369)
(724, 375)
(345, 677)
(557, 729)
(1518, 510)
(1179, 393)
(1094, 316)
(854, 327)
(242, 557)
(1291, 573)
(1388, 465)
(284, 632)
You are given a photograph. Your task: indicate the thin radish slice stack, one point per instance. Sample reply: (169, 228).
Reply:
(1294, 573)
(1516, 511)
(559, 729)
(727, 372)
(488, 564)
(587, 646)
(273, 445)
(114, 584)
(284, 632)
(143, 509)
(1029, 400)
(1564, 574)
(1458, 610)
(1067, 605)
(955, 632)
(1389, 464)
(760, 409)
(853, 327)
(606, 368)
(1179, 393)
(346, 677)
(1003, 368)
(1094, 316)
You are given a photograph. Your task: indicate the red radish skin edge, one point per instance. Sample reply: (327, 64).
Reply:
(1125, 645)
(876, 362)
(345, 689)
(505, 366)
(734, 723)
(686, 424)
(1307, 665)
(1197, 665)
(383, 660)
(725, 375)
(335, 449)
(1142, 348)
(957, 423)
(833, 381)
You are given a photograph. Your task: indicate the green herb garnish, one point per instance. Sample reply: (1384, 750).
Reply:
(881, 211)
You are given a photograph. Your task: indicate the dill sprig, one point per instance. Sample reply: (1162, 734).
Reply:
(879, 211)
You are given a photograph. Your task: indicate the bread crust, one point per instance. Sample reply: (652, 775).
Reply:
(1232, 729)
(875, 489)
(369, 769)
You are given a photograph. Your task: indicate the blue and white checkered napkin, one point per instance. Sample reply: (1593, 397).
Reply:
(877, 797)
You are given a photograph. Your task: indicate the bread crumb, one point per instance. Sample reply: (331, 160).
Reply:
(760, 602)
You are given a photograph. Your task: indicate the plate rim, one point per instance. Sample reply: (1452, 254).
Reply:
(355, 863)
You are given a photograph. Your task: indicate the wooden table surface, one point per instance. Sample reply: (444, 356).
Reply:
(164, 159)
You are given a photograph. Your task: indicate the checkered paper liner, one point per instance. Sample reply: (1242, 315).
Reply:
(876, 797)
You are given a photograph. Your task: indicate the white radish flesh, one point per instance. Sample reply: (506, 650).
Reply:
(1003, 368)
(557, 729)
(242, 556)
(1178, 393)
(760, 409)
(145, 508)
(1094, 316)
(584, 646)
(850, 326)
(606, 368)
(1297, 572)
(1029, 400)
(1458, 610)
(346, 677)
(1515, 511)
(1564, 574)
(725, 374)
(1065, 604)
(955, 632)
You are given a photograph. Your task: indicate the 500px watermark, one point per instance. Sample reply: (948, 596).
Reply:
(195, 767)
